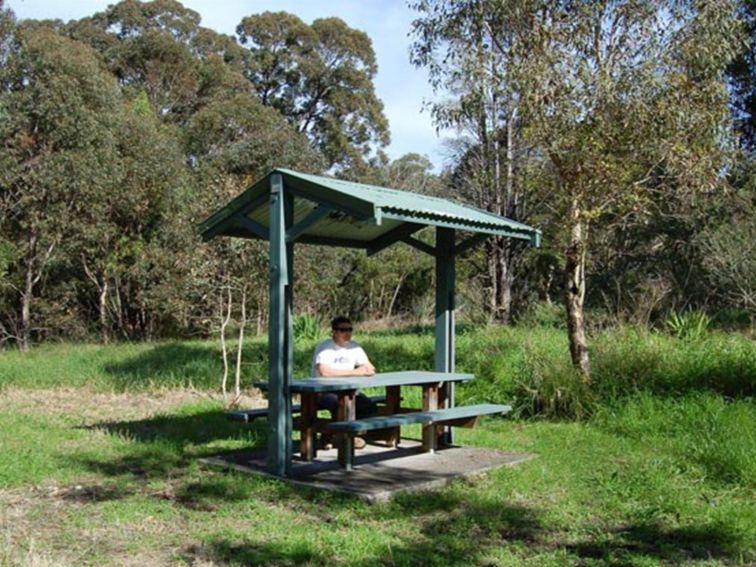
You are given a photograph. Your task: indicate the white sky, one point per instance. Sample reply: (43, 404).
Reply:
(400, 86)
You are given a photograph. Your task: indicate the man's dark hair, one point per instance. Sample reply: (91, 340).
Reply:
(336, 321)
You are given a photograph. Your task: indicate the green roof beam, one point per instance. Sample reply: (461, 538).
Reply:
(222, 219)
(314, 216)
(252, 226)
(392, 236)
(419, 245)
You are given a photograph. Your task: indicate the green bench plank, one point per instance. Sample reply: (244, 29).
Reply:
(386, 421)
(250, 415)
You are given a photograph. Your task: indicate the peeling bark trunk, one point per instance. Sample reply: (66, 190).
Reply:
(26, 297)
(575, 292)
(242, 325)
(104, 325)
(224, 320)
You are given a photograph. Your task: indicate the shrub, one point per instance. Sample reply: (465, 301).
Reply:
(547, 315)
(531, 369)
(307, 327)
(691, 326)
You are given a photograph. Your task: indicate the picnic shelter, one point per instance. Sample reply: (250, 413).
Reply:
(287, 207)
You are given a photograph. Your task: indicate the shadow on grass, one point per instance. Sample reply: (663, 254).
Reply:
(673, 545)
(168, 445)
(175, 364)
(95, 493)
(453, 530)
(257, 553)
(178, 430)
(462, 530)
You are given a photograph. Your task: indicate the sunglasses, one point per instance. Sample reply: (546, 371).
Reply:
(343, 329)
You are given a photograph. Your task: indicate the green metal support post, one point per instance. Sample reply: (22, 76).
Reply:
(445, 312)
(289, 312)
(279, 418)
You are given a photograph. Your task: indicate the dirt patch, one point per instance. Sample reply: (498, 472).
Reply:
(91, 406)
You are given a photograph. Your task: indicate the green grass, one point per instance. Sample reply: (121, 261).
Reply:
(659, 470)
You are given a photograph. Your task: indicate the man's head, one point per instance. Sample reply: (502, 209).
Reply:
(341, 329)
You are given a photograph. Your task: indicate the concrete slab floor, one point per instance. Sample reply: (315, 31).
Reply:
(380, 472)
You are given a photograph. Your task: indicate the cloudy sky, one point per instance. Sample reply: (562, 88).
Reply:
(401, 87)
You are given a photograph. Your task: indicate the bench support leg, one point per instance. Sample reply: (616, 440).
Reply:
(348, 452)
(346, 411)
(393, 403)
(441, 434)
(307, 448)
(430, 403)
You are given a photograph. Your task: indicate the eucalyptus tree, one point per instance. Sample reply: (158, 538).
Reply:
(742, 75)
(625, 99)
(232, 141)
(160, 48)
(59, 150)
(319, 76)
(466, 48)
(135, 240)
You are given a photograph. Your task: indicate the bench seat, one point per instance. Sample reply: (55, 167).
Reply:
(441, 416)
(249, 415)
(465, 416)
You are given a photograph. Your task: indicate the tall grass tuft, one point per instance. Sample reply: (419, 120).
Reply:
(531, 368)
(307, 327)
(690, 326)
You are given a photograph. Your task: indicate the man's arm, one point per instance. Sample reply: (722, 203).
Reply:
(327, 371)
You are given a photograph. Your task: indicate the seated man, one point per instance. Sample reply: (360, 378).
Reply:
(340, 356)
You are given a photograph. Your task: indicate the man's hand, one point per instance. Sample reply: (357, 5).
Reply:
(365, 370)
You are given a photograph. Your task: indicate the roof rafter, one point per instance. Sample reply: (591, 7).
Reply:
(392, 236)
(314, 216)
(418, 244)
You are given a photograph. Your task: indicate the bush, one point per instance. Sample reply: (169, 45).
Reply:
(531, 369)
(733, 319)
(691, 326)
(307, 327)
(546, 315)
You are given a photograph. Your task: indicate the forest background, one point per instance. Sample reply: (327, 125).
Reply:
(624, 130)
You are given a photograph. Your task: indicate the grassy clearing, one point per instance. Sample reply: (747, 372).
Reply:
(98, 461)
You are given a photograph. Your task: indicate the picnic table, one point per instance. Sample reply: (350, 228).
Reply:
(433, 416)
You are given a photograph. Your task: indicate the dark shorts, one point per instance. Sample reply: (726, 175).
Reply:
(365, 406)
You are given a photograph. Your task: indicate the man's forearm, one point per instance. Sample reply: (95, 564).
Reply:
(331, 372)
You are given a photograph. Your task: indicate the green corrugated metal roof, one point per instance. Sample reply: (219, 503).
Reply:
(359, 213)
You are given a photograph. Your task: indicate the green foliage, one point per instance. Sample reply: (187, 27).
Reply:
(308, 327)
(548, 315)
(124, 129)
(689, 326)
(321, 78)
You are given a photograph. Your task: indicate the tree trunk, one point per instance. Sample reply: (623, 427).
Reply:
(575, 292)
(26, 297)
(104, 324)
(224, 320)
(242, 324)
